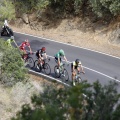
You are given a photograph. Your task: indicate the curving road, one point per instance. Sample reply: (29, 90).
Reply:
(98, 66)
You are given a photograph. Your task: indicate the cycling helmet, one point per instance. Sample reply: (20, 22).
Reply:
(12, 37)
(62, 52)
(78, 62)
(43, 49)
(26, 41)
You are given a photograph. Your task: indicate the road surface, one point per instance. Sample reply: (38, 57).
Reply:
(97, 66)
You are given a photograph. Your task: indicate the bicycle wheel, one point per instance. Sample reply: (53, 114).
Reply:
(56, 71)
(30, 62)
(11, 32)
(37, 66)
(78, 80)
(65, 75)
(47, 68)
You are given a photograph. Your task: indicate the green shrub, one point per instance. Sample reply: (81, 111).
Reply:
(12, 66)
(103, 7)
(7, 10)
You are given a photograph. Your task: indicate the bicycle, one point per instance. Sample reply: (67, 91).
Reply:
(43, 65)
(61, 72)
(78, 78)
(29, 60)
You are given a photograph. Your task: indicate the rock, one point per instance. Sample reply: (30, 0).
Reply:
(32, 17)
(115, 36)
(25, 18)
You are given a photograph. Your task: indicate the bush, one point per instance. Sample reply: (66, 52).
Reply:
(103, 7)
(12, 66)
(7, 10)
(100, 103)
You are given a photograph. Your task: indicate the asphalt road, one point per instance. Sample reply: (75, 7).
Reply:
(97, 66)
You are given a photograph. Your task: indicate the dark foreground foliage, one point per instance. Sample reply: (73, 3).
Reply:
(82, 102)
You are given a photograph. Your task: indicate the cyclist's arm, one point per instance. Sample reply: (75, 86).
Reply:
(65, 59)
(82, 68)
(45, 55)
(30, 49)
(40, 56)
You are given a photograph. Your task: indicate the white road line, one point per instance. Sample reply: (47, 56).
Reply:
(102, 74)
(68, 44)
(82, 48)
(50, 77)
(95, 71)
(56, 80)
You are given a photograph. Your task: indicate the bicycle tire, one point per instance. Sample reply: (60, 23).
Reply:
(57, 73)
(46, 67)
(78, 80)
(37, 67)
(65, 75)
(1, 33)
(11, 32)
(30, 62)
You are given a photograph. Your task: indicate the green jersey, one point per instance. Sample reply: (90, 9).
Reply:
(57, 55)
(9, 42)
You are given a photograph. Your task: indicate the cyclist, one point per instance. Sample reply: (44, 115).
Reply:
(10, 41)
(5, 22)
(40, 53)
(24, 45)
(76, 66)
(58, 56)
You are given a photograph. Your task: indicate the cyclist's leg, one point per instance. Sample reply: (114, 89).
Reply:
(78, 69)
(73, 75)
(72, 71)
(60, 64)
(25, 53)
(42, 60)
(56, 60)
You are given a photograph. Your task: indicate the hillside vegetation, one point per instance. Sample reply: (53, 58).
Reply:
(56, 102)
(104, 11)
(99, 17)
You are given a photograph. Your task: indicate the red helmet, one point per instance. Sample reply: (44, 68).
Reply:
(43, 49)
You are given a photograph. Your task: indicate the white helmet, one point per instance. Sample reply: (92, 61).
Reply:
(12, 37)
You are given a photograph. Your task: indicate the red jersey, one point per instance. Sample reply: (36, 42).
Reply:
(23, 45)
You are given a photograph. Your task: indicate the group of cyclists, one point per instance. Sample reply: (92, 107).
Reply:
(76, 66)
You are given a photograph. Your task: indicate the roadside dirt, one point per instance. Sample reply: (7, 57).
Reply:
(90, 39)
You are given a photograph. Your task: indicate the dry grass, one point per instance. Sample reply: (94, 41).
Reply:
(11, 99)
(94, 39)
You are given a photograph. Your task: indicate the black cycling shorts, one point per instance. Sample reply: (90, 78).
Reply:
(56, 59)
(72, 67)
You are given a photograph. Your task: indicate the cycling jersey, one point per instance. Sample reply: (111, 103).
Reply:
(23, 45)
(40, 52)
(9, 42)
(74, 64)
(57, 55)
